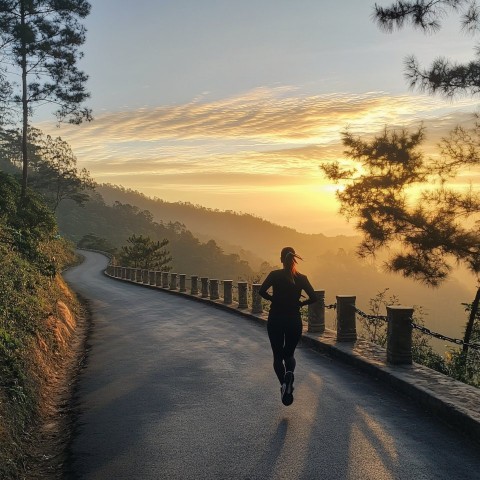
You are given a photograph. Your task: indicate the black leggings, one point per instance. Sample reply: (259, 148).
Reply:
(284, 336)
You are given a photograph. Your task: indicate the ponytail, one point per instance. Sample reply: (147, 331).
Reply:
(290, 264)
(289, 259)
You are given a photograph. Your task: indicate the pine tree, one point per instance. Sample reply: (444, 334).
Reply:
(40, 42)
(444, 76)
(405, 205)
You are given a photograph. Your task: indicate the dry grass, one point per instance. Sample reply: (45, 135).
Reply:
(34, 432)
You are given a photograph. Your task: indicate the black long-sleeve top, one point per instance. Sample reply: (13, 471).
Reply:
(286, 294)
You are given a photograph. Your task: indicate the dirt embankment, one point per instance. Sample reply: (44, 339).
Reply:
(36, 430)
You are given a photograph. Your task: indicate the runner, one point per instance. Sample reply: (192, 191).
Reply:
(284, 322)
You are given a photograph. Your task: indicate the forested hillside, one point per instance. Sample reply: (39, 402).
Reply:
(240, 233)
(116, 223)
(330, 262)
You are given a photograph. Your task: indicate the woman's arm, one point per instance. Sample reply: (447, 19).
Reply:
(267, 283)
(312, 298)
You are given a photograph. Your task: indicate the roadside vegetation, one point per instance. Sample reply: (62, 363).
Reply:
(38, 317)
(456, 363)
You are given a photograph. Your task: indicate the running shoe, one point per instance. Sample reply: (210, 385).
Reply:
(287, 389)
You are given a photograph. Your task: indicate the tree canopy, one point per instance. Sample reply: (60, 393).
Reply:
(444, 75)
(143, 252)
(40, 42)
(402, 200)
(57, 176)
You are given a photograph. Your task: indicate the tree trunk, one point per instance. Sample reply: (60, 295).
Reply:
(24, 104)
(471, 320)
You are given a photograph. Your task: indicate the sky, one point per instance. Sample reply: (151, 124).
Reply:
(234, 104)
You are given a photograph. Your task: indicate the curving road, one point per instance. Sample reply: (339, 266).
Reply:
(174, 389)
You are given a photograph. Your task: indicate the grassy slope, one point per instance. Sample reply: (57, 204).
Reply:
(38, 325)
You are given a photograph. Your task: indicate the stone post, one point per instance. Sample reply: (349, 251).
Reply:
(346, 318)
(256, 299)
(316, 313)
(146, 279)
(158, 279)
(399, 335)
(194, 285)
(138, 275)
(165, 279)
(124, 273)
(152, 278)
(183, 280)
(214, 290)
(204, 281)
(227, 292)
(242, 295)
(173, 281)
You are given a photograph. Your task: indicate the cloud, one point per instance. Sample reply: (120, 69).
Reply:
(264, 116)
(265, 141)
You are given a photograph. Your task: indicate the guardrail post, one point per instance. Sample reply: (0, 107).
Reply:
(158, 279)
(165, 279)
(316, 313)
(214, 289)
(204, 281)
(242, 295)
(124, 273)
(144, 276)
(152, 277)
(173, 281)
(138, 275)
(399, 335)
(194, 285)
(183, 281)
(256, 299)
(346, 326)
(227, 292)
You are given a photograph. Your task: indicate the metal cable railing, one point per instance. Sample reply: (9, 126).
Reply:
(421, 328)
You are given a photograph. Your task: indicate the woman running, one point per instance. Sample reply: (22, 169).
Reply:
(284, 322)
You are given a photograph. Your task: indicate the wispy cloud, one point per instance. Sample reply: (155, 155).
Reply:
(262, 140)
(264, 116)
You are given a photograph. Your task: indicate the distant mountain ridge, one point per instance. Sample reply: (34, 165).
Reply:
(330, 262)
(253, 238)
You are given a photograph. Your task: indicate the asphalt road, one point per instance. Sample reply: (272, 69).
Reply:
(173, 389)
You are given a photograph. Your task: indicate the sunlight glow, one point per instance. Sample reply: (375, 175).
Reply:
(255, 151)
